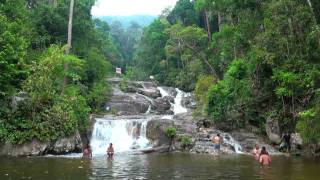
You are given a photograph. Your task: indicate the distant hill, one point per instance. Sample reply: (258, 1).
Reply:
(142, 20)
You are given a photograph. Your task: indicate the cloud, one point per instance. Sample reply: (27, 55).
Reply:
(130, 7)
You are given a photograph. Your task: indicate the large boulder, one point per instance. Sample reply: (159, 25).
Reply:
(296, 142)
(161, 106)
(68, 144)
(128, 104)
(273, 130)
(152, 93)
(156, 131)
(19, 100)
(32, 148)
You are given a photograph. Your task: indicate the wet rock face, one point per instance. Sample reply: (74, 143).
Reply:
(152, 93)
(156, 131)
(126, 104)
(170, 90)
(273, 130)
(67, 144)
(247, 140)
(36, 148)
(161, 106)
(189, 102)
(32, 148)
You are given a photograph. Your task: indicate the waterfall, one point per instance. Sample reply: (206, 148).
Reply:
(228, 139)
(177, 107)
(124, 134)
(163, 92)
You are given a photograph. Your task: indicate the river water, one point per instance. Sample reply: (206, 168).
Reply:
(158, 166)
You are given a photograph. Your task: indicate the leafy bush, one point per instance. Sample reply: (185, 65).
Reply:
(229, 95)
(47, 113)
(203, 84)
(98, 95)
(185, 141)
(309, 125)
(171, 132)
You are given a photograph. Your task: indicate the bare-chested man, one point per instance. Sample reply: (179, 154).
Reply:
(110, 150)
(216, 142)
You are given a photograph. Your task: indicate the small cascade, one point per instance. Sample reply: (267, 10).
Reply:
(177, 107)
(126, 135)
(163, 92)
(228, 139)
(149, 110)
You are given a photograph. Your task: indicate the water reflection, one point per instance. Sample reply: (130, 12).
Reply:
(157, 166)
(122, 165)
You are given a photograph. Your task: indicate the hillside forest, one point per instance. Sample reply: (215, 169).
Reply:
(247, 63)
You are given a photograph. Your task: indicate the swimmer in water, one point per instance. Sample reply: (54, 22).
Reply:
(264, 157)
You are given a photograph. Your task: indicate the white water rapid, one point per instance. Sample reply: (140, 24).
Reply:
(125, 135)
(177, 105)
(228, 139)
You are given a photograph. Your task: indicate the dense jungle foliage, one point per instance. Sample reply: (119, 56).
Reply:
(246, 61)
(34, 101)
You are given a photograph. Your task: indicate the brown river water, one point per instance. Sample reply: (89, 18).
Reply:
(158, 166)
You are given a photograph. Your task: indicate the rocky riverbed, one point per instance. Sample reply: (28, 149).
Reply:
(142, 111)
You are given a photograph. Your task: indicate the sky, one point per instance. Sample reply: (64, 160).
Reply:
(130, 7)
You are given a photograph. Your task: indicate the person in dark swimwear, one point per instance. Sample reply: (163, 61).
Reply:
(87, 152)
(264, 157)
(110, 150)
(285, 145)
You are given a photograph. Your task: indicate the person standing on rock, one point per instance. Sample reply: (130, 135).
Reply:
(216, 142)
(264, 157)
(256, 152)
(110, 150)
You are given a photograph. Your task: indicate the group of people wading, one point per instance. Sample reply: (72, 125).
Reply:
(87, 152)
(260, 155)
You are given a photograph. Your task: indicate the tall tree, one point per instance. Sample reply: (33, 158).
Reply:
(69, 45)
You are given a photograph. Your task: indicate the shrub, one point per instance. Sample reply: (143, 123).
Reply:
(309, 125)
(185, 141)
(171, 132)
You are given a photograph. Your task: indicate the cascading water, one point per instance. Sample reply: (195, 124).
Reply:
(228, 139)
(177, 107)
(163, 92)
(125, 135)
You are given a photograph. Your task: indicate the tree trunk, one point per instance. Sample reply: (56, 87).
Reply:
(55, 3)
(67, 51)
(219, 21)
(206, 15)
(310, 4)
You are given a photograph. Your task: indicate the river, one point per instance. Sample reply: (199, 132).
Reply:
(158, 166)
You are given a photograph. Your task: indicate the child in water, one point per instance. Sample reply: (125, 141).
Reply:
(110, 150)
(264, 157)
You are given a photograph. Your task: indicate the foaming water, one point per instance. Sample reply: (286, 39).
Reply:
(177, 107)
(163, 92)
(126, 135)
(228, 139)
